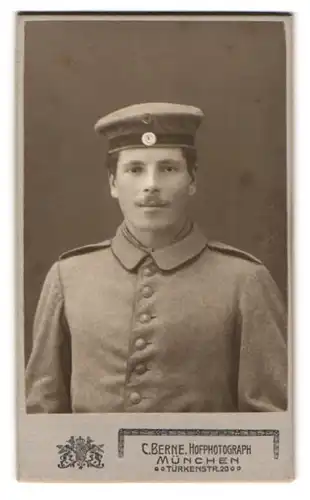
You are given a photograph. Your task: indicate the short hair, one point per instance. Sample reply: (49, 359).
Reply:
(189, 154)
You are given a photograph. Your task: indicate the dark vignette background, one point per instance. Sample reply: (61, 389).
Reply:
(76, 71)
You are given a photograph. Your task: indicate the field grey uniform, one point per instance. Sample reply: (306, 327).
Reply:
(193, 327)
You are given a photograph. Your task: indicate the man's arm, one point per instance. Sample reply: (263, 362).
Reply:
(48, 372)
(263, 350)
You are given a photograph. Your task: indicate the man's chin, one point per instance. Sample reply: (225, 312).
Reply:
(152, 226)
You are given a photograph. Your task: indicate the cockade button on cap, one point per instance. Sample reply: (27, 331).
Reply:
(145, 318)
(140, 368)
(135, 398)
(149, 139)
(140, 343)
(147, 291)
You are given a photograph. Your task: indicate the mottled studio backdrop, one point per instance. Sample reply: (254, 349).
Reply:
(77, 71)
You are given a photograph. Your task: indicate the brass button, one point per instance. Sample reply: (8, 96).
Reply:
(147, 291)
(145, 318)
(135, 398)
(148, 271)
(140, 343)
(140, 369)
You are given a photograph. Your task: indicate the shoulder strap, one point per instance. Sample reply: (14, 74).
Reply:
(229, 250)
(85, 249)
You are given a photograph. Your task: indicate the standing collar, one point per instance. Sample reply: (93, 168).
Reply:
(167, 258)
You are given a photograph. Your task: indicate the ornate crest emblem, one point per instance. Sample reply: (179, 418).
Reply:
(80, 452)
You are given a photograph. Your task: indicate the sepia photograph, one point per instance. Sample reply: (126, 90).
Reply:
(154, 153)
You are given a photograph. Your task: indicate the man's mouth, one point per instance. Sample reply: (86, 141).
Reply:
(152, 204)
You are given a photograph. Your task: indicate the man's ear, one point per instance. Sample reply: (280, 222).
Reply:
(192, 186)
(113, 188)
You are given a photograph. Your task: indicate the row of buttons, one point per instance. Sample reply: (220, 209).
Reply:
(144, 318)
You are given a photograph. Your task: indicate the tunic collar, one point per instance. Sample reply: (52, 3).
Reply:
(131, 255)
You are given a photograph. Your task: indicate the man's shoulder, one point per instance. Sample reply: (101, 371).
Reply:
(85, 250)
(225, 250)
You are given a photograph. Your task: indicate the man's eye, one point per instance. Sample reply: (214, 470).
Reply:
(135, 169)
(169, 168)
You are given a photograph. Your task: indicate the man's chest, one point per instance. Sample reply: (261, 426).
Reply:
(111, 309)
(165, 338)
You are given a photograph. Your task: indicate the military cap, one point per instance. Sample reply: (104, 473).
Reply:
(150, 124)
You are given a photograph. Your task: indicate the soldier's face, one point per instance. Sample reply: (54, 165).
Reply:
(153, 187)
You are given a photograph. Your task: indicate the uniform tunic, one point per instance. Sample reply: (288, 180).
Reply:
(193, 327)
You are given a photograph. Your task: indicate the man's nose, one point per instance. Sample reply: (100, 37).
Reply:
(151, 183)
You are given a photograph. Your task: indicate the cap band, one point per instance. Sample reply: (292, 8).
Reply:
(140, 140)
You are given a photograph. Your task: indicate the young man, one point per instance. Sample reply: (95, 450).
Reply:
(159, 319)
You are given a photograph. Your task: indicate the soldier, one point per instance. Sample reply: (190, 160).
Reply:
(159, 319)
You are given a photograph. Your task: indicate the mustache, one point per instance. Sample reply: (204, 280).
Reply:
(151, 201)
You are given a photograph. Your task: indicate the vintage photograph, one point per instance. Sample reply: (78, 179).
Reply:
(156, 210)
